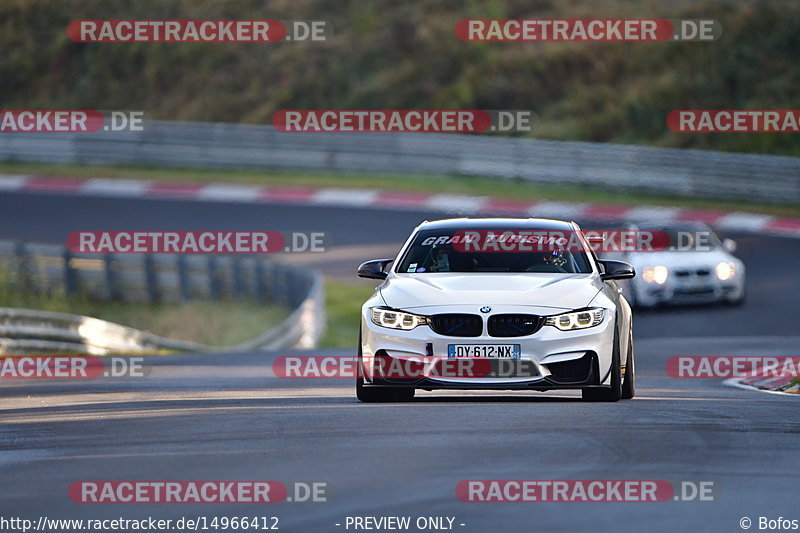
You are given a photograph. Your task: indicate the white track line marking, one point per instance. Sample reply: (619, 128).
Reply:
(560, 210)
(653, 214)
(13, 182)
(743, 221)
(349, 197)
(457, 203)
(230, 193)
(115, 187)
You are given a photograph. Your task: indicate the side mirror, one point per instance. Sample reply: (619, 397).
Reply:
(729, 245)
(616, 270)
(374, 269)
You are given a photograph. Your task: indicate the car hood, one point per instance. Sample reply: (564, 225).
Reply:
(553, 291)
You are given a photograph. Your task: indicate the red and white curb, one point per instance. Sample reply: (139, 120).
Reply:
(773, 386)
(382, 199)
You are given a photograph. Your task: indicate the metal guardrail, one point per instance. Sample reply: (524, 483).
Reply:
(25, 331)
(672, 171)
(154, 278)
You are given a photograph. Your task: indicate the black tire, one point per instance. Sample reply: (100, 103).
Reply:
(405, 394)
(378, 394)
(373, 394)
(629, 381)
(383, 394)
(612, 393)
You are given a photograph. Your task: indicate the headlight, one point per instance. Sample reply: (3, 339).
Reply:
(576, 319)
(725, 271)
(656, 274)
(389, 318)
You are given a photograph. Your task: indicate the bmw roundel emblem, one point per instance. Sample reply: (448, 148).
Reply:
(486, 309)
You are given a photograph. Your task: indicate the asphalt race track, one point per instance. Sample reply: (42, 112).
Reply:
(228, 417)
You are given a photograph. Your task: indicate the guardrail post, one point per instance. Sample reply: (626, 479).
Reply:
(288, 285)
(151, 280)
(239, 290)
(277, 283)
(293, 279)
(261, 286)
(183, 278)
(70, 275)
(111, 277)
(23, 266)
(213, 279)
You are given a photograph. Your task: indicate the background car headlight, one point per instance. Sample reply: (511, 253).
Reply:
(725, 271)
(576, 319)
(655, 274)
(390, 318)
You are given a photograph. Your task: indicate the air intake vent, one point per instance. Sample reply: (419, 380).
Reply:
(455, 325)
(514, 325)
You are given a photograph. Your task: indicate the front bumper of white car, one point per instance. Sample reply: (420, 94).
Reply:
(548, 359)
(689, 288)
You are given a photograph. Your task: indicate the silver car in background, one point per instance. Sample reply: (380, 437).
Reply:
(697, 268)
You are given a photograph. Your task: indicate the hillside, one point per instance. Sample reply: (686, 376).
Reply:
(406, 55)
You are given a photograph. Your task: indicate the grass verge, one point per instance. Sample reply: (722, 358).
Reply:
(206, 322)
(435, 184)
(793, 387)
(343, 302)
(212, 323)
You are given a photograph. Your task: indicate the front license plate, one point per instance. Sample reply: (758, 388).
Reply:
(695, 287)
(483, 351)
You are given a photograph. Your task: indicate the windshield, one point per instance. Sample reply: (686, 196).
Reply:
(451, 251)
(692, 240)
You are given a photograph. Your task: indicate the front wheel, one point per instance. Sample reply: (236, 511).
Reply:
(382, 394)
(373, 395)
(614, 392)
(629, 382)
(737, 302)
(378, 394)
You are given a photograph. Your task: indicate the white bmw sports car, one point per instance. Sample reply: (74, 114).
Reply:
(496, 303)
